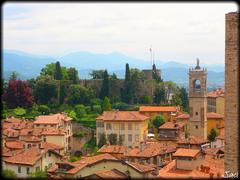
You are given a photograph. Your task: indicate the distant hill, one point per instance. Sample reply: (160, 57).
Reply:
(30, 65)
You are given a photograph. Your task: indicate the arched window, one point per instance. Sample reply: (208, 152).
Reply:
(197, 85)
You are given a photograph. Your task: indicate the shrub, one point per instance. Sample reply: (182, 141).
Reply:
(95, 101)
(72, 115)
(19, 112)
(74, 158)
(158, 121)
(80, 110)
(8, 173)
(44, 109)
(88, 109)
(121, 106)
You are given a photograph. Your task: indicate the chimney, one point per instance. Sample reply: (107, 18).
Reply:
(211, 175)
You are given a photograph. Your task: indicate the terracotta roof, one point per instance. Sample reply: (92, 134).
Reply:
(54, 131)
(140, 167)
(28, 157)
(214, 115)
(158, 109)
(31, 131)
(13, 120)
(47, 145)
(85, 161)
(151, 149)
(14, 144)
(112, 149)
(213, 151)
(122, 116)
(186, 152)
(216, 93)
(110, 174)
(30, 138)
(193, 140)
(10, 132)
(183, 116)
(172, 125)
(52, 119)
(209, 115)
(10, 153)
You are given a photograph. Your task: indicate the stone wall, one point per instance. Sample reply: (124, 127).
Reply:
(231, 92)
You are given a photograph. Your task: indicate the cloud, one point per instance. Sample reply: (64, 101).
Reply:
(173, 29)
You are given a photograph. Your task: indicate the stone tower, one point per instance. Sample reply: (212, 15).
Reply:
(232, 92)
(198, 101)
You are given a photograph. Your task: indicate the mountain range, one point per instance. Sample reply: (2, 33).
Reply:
(29, 65)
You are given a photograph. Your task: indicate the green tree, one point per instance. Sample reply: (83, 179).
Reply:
(97, 109)
(137, 77)
(126, 90)
(184, 98)
(80, 110)
(13, 76)
(212, 135)
(159, 94)
(105, 86)
(97, 74)
(73, 75)
(176, 98)
(78, 94)
(106, 104)
(155, 75)
(112, 138)
(145, 99)
(46, 90)
(50, 70)
(43, 109)
(9, 174)
(158, 121)
(102, 140)
(58, 71)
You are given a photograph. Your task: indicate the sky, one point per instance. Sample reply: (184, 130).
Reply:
(178, 32)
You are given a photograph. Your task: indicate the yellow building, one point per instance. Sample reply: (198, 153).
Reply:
(216, 101)
(167, 112)
(214, 120)
(131, 127)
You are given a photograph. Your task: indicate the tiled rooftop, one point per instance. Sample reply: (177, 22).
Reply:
(122, 116)
(109, 174)
(112, 149)
(209, 115)
(172, 125)
(52, 119)
(216, 93)
(158, 109)
(183, 152)
(193, 140)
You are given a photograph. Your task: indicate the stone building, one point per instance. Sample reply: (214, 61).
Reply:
(198, 101)
(231, 92)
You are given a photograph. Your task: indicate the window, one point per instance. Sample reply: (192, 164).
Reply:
(196, 126)
(196, 113)
(49, 154)
(130, 126)
(19, 169)
(137, 126)
(122, 138)
(130, 137)
(197, 85)
(122, 126)
(52, 125)
(44, 139)
(27, 170)
(115, 126)
(109, 126)
(137, 137)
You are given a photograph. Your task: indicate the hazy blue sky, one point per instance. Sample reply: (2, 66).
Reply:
(179, 32)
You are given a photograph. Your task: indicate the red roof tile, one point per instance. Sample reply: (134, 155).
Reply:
(183, 152)
(110, 174)
(14, 144)
(172, 125)
(158, 109)
(112, 149)
(52, 119)
(216, 93)
(122, 116)
(140, 167)
(193, 140)
(54, 131)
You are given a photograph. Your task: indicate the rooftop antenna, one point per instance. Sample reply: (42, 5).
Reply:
(151, 55)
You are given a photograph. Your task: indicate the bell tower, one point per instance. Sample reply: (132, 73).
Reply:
(198, 101)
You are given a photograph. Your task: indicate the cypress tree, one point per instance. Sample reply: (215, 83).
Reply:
(105, 86)
(58, 71)
(126, 91)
